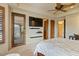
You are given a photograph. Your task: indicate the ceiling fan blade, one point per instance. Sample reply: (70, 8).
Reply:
(59, 6)
(66, 6)
(63, 10)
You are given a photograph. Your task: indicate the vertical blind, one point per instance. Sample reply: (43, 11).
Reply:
(2, 12)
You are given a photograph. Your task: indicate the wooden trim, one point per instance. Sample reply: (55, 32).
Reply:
(12, 26)
(45, 33)
(64, 28)
(12, 30)
(18, 14)
(52, 25)
(3, 24)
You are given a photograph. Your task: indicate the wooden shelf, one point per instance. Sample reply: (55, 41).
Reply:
(35, 36)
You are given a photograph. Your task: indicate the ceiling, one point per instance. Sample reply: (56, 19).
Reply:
(41, 8)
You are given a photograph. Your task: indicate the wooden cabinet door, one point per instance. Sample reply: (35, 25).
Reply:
(46, 29)
(52, 28)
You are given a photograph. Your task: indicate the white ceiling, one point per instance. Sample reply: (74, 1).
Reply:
(41, 8)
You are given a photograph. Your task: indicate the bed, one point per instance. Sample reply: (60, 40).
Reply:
(57, 47)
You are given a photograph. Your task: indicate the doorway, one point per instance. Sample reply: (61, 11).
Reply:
(46, 29)
(18, 29)
(52, 23)
(61, 29)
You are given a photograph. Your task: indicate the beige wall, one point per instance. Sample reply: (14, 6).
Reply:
(4, 47)
(72, 24)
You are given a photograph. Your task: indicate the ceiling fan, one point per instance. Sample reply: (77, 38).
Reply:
(62, 7)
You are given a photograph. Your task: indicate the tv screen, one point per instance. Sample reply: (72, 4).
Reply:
(35, 22)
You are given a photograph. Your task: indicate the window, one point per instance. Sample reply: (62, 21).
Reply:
(17, 31)
(2, 24)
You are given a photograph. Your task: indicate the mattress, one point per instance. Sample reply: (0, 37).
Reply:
(57, 47)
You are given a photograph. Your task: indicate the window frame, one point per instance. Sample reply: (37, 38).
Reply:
(3, 24)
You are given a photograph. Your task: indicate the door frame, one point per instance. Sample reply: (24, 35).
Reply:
(12, 26)
(64, 27)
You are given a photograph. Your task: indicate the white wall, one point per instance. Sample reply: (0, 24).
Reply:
(56, 29)
(72, 24)
(4, 47)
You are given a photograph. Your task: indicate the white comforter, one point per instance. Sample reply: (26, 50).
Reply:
(60, 47)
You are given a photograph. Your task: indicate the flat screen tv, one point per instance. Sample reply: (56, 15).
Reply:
(35, 22)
